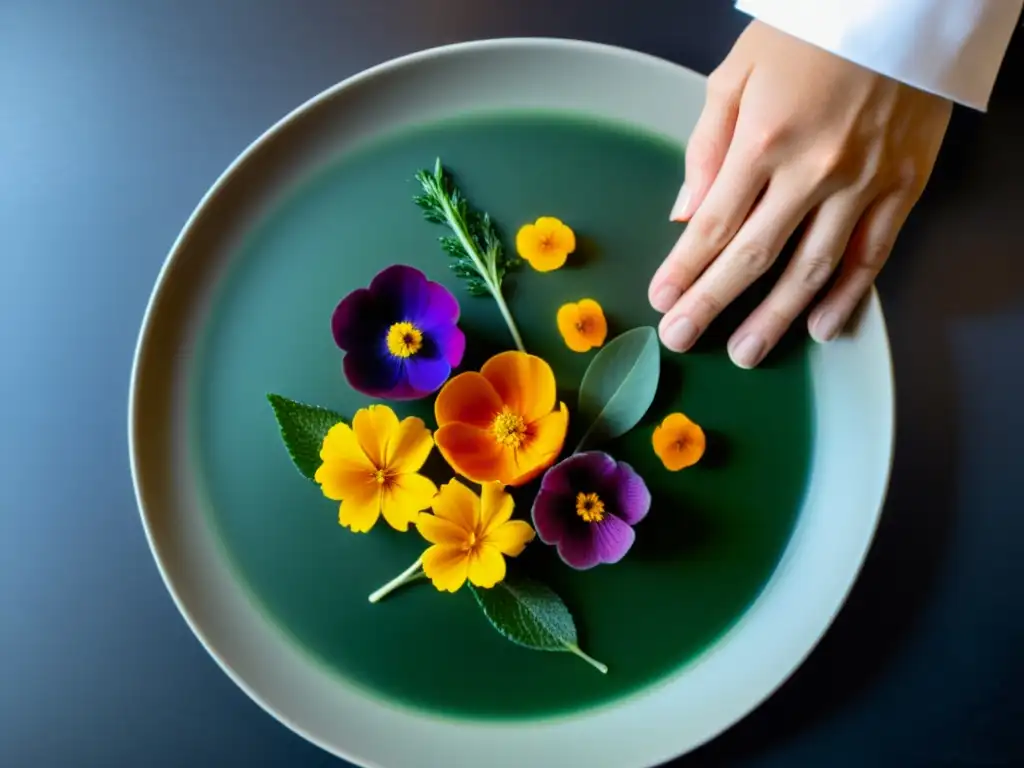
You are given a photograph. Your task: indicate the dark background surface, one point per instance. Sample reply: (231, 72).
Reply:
(117, 116)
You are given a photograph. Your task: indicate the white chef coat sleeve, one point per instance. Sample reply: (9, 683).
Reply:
(949, 47)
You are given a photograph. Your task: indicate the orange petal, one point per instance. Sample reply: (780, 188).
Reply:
(473, 453)
(495, 507)
(525, 383)
(468, 398)
(678, 442)
(545, 442)
(457, 504)
(570, 325)
(595, 326)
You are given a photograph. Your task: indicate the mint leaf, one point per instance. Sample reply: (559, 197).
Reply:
(620, 384)
(303, 428)
(530, 614)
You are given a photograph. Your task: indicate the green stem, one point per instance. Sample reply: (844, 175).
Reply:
(603, 669)
(413, 572)
(505, 313)
(458, 226)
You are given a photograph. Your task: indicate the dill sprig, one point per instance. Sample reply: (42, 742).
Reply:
(474, 245)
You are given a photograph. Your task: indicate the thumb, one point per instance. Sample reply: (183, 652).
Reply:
(709, 142)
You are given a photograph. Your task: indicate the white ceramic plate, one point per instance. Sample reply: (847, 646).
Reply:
(853, 423)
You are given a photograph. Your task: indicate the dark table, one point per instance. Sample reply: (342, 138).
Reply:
(117, 116)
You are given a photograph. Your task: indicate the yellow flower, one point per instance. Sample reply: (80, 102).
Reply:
(582, 325)
(678, 442)
(373, 467)
(546, 243)
(471, 536)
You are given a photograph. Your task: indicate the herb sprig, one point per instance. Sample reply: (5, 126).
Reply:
(478, 256)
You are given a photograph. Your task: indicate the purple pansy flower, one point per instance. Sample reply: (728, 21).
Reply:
(588, 505)
(399, 335)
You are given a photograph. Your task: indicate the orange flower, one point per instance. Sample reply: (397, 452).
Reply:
(678, 442)
(546, 243)
(501, 425)
(582, 325)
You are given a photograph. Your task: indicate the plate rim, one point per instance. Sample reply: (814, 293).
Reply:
(173, 256)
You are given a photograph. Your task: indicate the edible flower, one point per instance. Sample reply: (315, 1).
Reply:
(400, 336)
(678, 442)
(582, 325)
(501, 424)
(373, 467)
(546, 243)
(471, 536)
(587, 506)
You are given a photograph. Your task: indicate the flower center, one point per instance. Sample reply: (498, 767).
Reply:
(582, 326)
(680, 444)
(404, 339)
(509, 429)
(590, 507)
(547, 242)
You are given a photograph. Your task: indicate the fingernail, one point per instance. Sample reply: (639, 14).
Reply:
(664, 297)
(680, 334)
(826, 327)
(679, 209)
(748, 351)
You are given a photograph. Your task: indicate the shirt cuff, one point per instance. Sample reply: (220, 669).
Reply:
(952, 48)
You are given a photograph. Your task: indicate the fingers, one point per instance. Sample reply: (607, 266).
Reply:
(812, 264)
(869, 248)
(748, 256)
(719, 218)
(708, 143)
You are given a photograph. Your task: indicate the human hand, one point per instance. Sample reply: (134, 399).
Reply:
(792, 134)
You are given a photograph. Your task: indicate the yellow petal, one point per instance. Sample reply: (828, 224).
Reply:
(525, 383)
(360, 511)
(495, 507)
(528, 241)
(511, 537)
(340, 444)
(486, 566)
(437, 530)
(456, 503)
(404, 497)
(446, 567)
(409, 447)
(339, 481)
(374, 427)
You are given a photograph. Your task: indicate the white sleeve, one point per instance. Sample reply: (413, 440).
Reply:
(949, 47)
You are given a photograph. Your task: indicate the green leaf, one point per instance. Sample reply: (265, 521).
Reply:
(530, 614)
(303, 428)
(619, 385)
